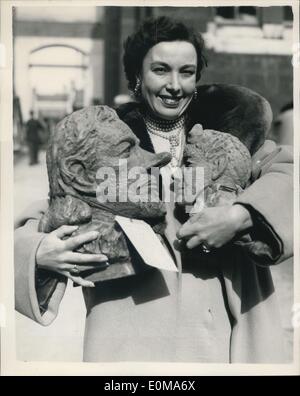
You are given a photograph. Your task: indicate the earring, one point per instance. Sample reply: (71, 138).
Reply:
(137, 87)
(195, 94)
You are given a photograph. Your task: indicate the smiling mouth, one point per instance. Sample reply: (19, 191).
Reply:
(170, 101)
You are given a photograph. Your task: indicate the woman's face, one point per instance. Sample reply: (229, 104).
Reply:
(168, 78)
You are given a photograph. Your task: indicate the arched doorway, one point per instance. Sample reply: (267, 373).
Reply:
(57, 76)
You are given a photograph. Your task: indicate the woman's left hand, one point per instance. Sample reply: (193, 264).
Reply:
(215, 226)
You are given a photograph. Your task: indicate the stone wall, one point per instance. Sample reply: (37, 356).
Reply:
(269, 75)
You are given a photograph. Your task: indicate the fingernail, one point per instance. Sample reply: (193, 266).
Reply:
(103, 257)
(103, 264)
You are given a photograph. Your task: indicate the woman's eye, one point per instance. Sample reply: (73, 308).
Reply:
(159, 70)
(188, 73)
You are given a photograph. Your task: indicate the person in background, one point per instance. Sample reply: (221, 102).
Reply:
(33, 139)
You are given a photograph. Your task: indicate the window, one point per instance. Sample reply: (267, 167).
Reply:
(288, 14)
(236, 15)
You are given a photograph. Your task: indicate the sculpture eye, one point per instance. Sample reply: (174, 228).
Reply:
(125, 147)
(126, 152)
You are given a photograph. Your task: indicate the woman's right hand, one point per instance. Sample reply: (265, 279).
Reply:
(57, 254)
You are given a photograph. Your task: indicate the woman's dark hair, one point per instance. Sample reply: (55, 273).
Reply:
(152, 32)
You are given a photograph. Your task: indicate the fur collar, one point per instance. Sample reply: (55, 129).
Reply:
(131, 115)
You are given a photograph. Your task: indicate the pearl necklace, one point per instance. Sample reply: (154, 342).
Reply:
(172, 130)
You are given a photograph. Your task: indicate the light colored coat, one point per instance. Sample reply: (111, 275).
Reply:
(222, 311)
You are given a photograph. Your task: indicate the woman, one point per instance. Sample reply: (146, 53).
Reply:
(221, 306)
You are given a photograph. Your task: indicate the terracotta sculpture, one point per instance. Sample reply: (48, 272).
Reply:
(82, 144)
(226, 162)
(227, 170)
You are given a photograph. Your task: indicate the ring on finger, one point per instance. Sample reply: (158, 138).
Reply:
(75, 269)
(205, 248)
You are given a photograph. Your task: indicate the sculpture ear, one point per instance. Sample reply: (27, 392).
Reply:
(218, 165)
(75, 175)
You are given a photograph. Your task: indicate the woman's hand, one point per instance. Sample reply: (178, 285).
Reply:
(215, 226)
(56, 254)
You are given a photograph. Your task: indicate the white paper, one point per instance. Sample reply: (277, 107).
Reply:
(147, 243)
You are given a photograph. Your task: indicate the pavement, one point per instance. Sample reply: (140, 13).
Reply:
(63, 340)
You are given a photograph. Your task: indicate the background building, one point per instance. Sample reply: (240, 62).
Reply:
(69, 57)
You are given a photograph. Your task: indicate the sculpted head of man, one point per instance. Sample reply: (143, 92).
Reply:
(226, 162)
(89, 149)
